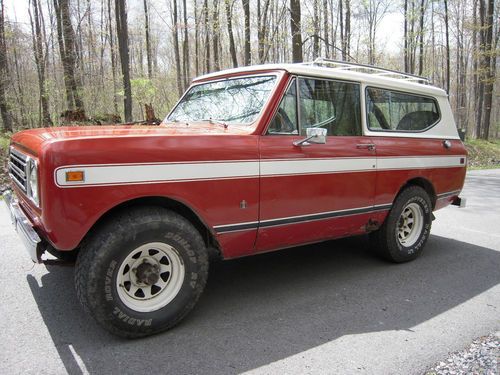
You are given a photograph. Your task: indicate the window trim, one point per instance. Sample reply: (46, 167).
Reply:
(396, 130)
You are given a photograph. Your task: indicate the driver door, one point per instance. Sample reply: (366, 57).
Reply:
(314, 192)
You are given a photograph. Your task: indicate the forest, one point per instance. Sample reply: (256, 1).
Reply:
(109, 61)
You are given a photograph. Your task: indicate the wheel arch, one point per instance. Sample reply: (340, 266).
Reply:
(174, 205)
(424, 184)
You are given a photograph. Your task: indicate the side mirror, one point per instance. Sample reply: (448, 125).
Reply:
(313, 135)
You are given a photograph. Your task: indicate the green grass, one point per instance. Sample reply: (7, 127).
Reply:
(4, 141)
(483, 154)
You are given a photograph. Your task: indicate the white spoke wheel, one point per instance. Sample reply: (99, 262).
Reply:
(142, 271)
(150, 277)
(410, 224)
(405, 231)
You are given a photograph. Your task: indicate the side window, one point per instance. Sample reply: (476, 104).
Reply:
(285, 119)
(396, 111)
(330, 105)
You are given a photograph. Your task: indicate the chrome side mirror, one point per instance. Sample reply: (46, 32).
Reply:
(313, 135)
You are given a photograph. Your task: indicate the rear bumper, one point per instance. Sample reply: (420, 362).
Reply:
(24, 227)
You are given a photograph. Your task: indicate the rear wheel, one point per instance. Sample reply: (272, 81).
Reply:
(406, 229)
(142, 271)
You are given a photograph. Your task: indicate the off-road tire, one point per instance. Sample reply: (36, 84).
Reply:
(108, 247)
(385, 241)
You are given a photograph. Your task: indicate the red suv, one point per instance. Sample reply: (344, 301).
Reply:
(249, 160)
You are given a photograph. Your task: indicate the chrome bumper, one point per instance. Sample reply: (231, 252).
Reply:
(23, 227)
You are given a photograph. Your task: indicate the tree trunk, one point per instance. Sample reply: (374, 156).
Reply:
(446, 25)
(4, 107)
(40, 61)
(216, 34)
(185, 48)
(295, 30)
(113, 58)
(489, 78)
(196, 37)
(207, 37)
(148, 42)
(69, 52)
(325, 29)
(405, 52)
(122, 33)
(316, 26)
(232, 48)
(262, 31)
(347, 29)
(421, 40)
(175, 32)
(246, 11)
(342, 31)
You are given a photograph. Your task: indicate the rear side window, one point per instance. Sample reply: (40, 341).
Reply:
(331, 105)
(396, 111)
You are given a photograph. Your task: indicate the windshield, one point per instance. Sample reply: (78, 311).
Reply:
(235, 101)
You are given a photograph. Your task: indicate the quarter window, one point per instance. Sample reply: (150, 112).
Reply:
(396, 111)
(331, 105)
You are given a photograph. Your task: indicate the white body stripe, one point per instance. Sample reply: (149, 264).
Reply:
(148, 173)
(420, 162)
(311, 166)
(123, 174)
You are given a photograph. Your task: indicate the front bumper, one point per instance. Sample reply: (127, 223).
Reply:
(24, 227)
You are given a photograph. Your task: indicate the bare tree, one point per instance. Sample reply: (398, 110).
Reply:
(66, 38)
(216, 34)
(148, 42)
(246, 11)
(373, 12)
(40, 61)
(175, 35)
(447, 28)
(229, 17)
(4, 107)
(122, 33)
(185, 47)
(295, 26)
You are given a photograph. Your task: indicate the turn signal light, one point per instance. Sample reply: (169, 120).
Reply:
(75, 176)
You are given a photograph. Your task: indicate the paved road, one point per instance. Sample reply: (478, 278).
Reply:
(329, 308)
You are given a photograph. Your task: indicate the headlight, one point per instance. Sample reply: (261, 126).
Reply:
(33, 181)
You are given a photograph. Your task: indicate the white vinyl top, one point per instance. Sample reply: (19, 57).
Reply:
(341, 72)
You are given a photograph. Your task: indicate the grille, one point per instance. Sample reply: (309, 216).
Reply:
(18, 168)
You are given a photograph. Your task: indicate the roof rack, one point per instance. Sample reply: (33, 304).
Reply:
(343, 65)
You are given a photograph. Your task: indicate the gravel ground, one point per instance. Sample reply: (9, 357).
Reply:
(481, 357)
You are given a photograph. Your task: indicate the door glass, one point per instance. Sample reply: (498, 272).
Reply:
(331, 105)
(285, 119)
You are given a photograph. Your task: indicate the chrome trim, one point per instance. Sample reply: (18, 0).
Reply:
(23, 227)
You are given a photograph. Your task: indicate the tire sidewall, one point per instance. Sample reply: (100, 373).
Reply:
(398, 251)
(105, 302)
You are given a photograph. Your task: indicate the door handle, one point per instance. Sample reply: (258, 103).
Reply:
(369, 146)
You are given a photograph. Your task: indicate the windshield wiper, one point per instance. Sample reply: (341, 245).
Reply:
(214, 121)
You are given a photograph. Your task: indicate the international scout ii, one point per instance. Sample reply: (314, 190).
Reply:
(250, 160)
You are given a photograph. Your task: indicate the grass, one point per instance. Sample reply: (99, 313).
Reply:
(483, 154)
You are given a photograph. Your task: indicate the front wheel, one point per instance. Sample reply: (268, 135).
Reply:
(406, 229)
(142, 271)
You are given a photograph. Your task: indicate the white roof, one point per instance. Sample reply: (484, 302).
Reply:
(342, 72)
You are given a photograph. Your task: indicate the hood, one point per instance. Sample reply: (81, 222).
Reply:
(33, 139)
